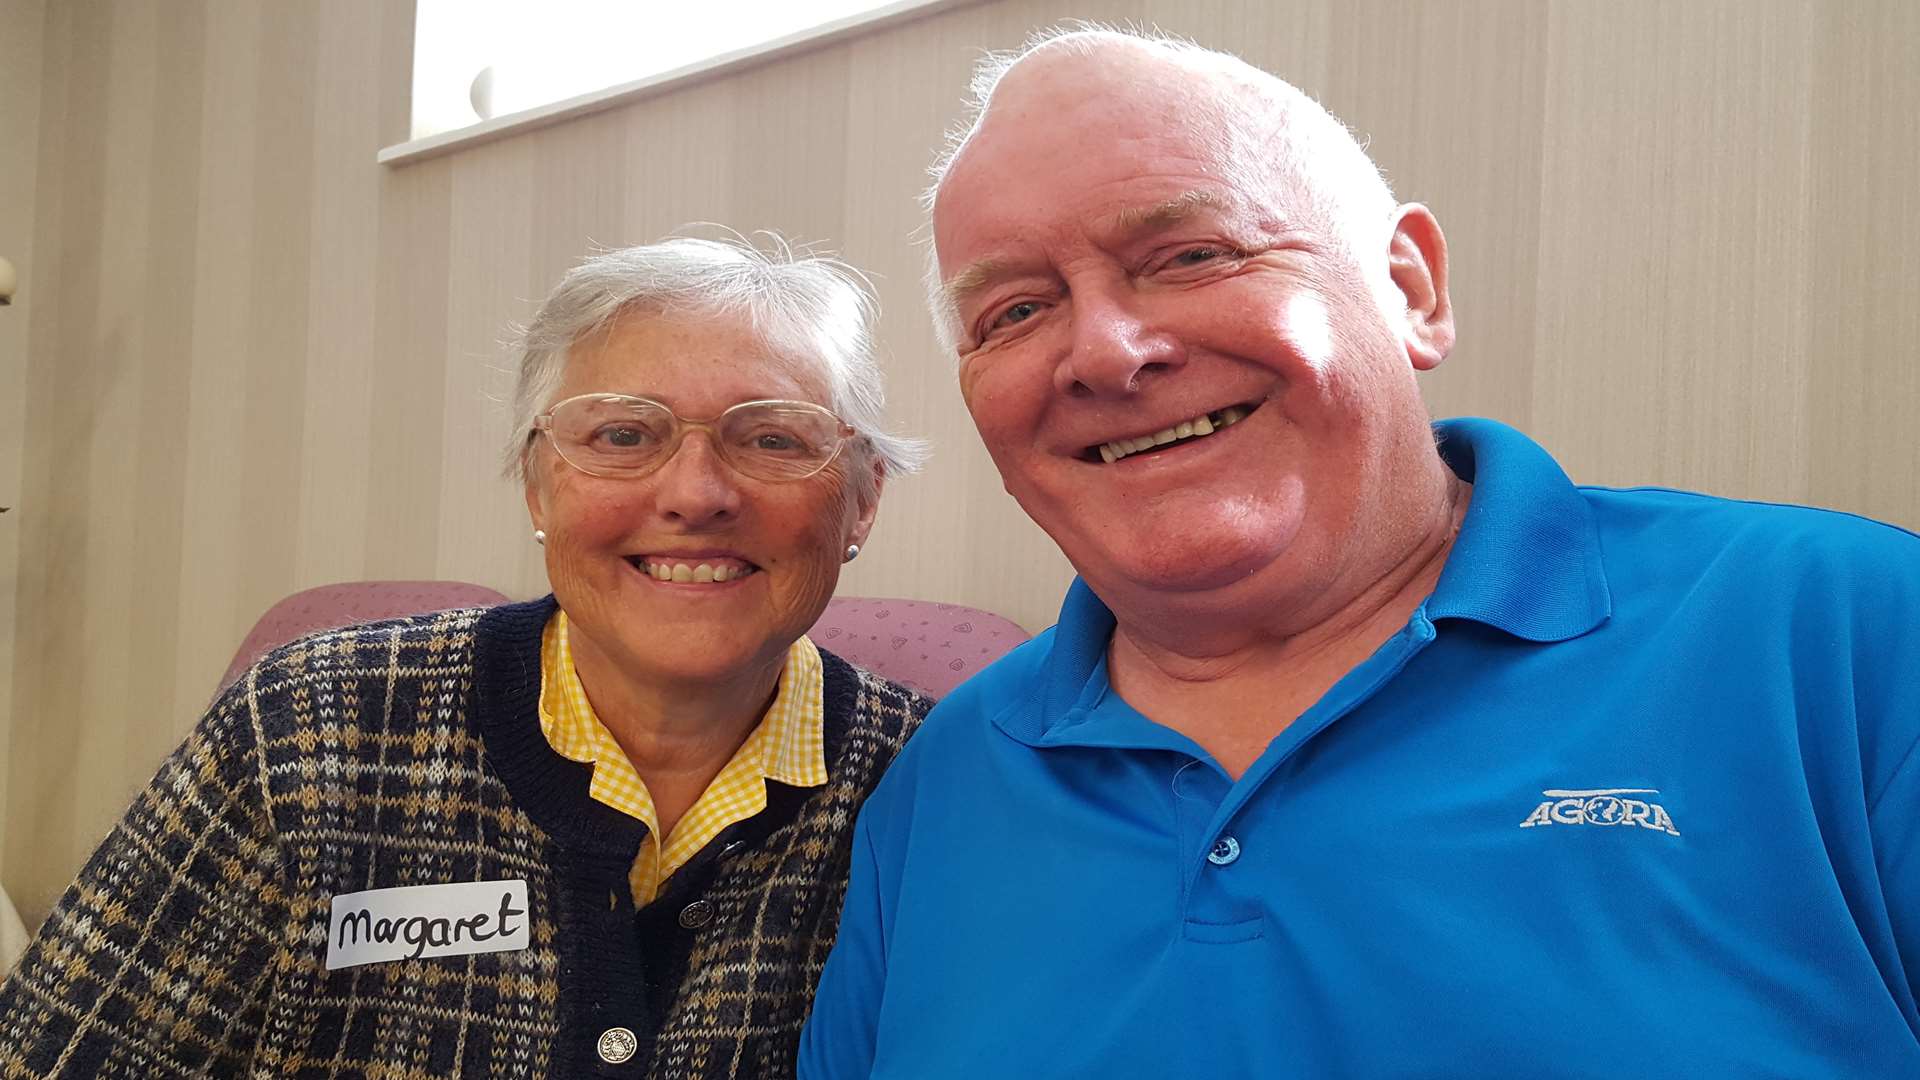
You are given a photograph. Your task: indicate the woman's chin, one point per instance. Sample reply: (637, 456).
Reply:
(682, 654)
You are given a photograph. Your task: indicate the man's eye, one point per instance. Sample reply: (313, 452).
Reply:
(1197, 255)
(1016, 313)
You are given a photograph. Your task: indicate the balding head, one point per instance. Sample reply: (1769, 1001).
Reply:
(1262, 133)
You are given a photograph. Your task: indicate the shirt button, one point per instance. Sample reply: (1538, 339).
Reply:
(697, 914)
(617, 1045)
(1225, 851)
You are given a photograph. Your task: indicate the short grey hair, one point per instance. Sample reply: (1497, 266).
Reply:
(1358, 199)
(815, 305)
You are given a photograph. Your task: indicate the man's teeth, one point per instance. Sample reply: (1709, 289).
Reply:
(1204, 424)
(698, 573)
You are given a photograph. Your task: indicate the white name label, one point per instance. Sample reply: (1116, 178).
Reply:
(427, 920)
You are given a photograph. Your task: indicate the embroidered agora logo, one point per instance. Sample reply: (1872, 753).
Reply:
(1601, 806)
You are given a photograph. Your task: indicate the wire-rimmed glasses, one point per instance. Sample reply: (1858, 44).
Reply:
(619, 436)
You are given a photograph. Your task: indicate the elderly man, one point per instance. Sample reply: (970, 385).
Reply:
(1350, 756)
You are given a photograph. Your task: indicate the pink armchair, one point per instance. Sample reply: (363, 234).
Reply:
(349, 602)
(930, 647)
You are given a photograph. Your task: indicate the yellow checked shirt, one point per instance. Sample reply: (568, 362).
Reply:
(787, 746)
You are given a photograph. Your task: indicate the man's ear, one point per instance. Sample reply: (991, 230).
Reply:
(1417, 263)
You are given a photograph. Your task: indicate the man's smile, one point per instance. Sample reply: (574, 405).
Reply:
(1185, 431)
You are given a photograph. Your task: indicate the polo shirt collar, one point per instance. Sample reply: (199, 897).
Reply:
(1527, 562)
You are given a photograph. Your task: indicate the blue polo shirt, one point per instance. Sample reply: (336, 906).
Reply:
(1632, 794)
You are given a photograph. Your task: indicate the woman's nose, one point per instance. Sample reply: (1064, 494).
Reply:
(696, 486)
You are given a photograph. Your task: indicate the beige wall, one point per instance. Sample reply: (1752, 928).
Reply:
(20, 27)
(1684, 239)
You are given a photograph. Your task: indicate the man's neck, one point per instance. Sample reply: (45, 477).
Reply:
(1238, 683)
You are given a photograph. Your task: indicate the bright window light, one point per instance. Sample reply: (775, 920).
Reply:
(474, 60)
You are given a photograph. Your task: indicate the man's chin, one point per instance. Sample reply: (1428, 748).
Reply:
(1193, 552)
(1188, 575)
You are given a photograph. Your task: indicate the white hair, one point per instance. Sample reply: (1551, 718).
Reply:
(1321, 158)
(814, 305)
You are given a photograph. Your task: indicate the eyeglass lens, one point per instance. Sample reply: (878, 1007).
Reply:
(626, 436)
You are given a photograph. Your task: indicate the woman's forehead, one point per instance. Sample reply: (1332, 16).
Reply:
(704, 359)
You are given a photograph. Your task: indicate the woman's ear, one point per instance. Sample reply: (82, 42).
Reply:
(1417, 263)
(867, 502)
(536, 508)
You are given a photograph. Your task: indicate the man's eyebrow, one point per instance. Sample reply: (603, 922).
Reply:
(1171, 212)
(975, 277)
(957, 289)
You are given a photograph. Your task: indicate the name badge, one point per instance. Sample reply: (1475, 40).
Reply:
(460, 919)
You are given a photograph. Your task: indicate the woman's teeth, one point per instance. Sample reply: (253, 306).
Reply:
(697, 573)
(1204, 424)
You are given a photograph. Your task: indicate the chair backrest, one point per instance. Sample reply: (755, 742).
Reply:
(349, 602)
(930, 647)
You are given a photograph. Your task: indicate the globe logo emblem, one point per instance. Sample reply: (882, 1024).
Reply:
(1601, 806)
(1604, 810)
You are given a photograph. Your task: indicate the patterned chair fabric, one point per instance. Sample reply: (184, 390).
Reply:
(349, 602)
(930, 647)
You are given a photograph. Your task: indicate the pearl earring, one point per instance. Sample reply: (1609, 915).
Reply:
(853, 552)
(539, 536)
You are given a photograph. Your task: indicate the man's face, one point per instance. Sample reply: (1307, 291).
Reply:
(1118, 283)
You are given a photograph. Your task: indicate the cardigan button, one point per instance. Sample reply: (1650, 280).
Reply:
(697, 914)
(617, 1045)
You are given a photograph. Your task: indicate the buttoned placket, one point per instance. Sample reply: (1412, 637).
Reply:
(614, 1021)
(1220, 846)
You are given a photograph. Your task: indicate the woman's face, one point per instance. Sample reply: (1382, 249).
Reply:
(781, 543)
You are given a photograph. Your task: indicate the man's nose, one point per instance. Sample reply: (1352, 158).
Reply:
(1115, 346)
(695, 486)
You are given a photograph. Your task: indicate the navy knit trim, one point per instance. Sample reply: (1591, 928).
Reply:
(553, 790)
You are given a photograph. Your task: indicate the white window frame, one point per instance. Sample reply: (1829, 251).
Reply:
(725, 63)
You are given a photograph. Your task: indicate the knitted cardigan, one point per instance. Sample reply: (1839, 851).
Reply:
(410, 753)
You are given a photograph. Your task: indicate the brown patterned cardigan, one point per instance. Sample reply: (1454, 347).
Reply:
(410, 753)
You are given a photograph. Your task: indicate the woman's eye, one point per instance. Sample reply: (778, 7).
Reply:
(621, 437)
(772, 440)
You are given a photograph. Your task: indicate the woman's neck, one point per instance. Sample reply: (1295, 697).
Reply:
(678, 735)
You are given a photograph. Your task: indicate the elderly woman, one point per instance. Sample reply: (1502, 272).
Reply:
(605, 833)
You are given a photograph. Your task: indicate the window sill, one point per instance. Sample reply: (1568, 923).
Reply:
(839, 30)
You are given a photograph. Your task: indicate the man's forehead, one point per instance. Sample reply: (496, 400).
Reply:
(1013, 230)
(1018, 166)
(1023, 252)
(1068, 69)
